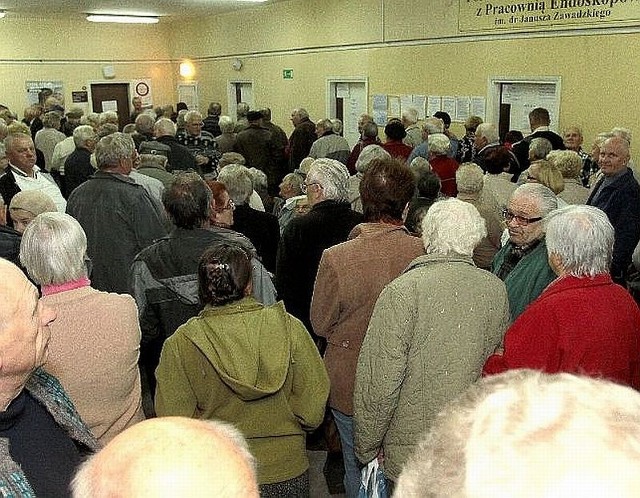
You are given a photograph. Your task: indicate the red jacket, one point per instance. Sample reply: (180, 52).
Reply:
(445, 168)
(585, 326)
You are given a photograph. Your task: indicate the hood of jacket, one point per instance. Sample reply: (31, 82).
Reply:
(247, 343)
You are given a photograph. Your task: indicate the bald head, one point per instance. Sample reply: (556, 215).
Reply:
(173, 456)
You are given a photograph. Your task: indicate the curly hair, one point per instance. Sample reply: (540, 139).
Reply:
(224, 272)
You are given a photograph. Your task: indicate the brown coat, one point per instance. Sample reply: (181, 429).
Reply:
(93, 351)
(350, 278)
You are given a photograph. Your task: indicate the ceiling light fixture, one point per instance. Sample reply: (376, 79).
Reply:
(123, 19)
(2, 14)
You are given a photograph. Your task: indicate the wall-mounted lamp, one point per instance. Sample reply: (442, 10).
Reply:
(187, 69)
(123, 19)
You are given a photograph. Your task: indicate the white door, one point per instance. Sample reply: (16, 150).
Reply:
(239, 91)
(347, 99)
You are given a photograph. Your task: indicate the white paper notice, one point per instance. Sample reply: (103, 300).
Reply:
(419, 102)
(478, 106)
(109, 105)
(462, 109)
(394, 107)
(434, 104)
(380, 102)
(449, 105)
(342, 91)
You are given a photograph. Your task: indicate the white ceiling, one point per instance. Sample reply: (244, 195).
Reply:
(164, 8)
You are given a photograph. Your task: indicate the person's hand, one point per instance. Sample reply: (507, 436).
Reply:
(200, 159)
(380, 456)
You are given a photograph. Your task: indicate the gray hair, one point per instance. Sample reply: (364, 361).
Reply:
(109, 117)
(258, 179)
(539, 148)
(439, 144)
(469, 178)
(621, 132)
(325, 124)
(238, 181)
(151, 160)
(51, 119)
(191, 116)
(410, 115)
(54, 249)
(568, 162)
(452, 227)
(337, 126)
(231, 158)
(507, 436)
(91, 119)
(582, 236)
(114, 148)
(433, 125)
(82, 134)
(370, 129)
(488, 131)
(165, 127)
(226, 124)
(14, 137)
(369, 154)
(144, 123)
(546, 200)
(301, 112)
(294, 180)
(420, 162)
(333, 176)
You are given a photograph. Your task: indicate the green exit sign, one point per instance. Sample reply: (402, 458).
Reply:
(287, 74)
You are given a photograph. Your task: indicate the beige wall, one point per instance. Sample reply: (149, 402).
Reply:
(406, 47)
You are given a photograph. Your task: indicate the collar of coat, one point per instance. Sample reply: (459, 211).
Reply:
(438, 259)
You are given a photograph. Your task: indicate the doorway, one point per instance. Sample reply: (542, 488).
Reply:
(239, 91)
(347, 99)
(112, 97)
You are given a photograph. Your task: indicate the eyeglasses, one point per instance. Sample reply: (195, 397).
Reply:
(520, 220)
(305, 186)
(231, 206)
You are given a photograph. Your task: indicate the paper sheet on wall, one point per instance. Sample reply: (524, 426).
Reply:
(342, 90)
(380, 102)
(449, 105)
(434, 104)
(462, 109)
(394, 107)
(380, 117)
(109, 105)
(478, 107)
(406, 102)
(420, 102)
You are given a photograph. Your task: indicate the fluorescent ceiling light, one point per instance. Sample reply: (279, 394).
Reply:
(123, 19)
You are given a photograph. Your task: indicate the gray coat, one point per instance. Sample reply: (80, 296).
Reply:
(430, 333)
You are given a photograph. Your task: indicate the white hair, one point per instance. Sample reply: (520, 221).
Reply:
(544, 197)
(539, 148)
(488, 131)
(226, 124)
(469, 178)
(195, 116)
(369, 154)
(452, 227)
(333, 176)
(53, 249)
(582, 236)
(165, 127)
(144, 123)
(109, 117)
(433, 125)
(410, 115)
(113, 148)
(439, 144)
(238, 181)
(621, 132)
(568, 162)
(525, 433)
(82, 134)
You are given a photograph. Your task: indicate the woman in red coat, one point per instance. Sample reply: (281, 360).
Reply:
(582, 323)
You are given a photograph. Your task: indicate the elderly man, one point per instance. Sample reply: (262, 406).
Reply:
(290, 193)
(431, 331)
(486, 141)
(201, 143)
(188, 457)
(213, 117)
(573, 140)
(539, 122)
(522, 262)
(470, 182)
(164, 275)
(43, 439)
(23, 174)
(77, 167)
(303, 240)
(179, 156)
(524, 434)
(259, 150)
(368, 136)
(136, 102)
(429, 127)
(259, 227)
(409, 120)
(618, 195)
(117, 214)
(302, 138)
(582, 323)
(329, 144)
(143, 128)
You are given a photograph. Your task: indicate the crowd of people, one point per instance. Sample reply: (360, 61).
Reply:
(422, 300)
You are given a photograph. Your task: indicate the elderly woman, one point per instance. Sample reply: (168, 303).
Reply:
(394, 145)
(569, 163)
(431, 331)
(28, 204)
(251, 365)
(227, 140)
(366, 157)
(469, 178)
(95, 338)
(442, 165)
(547, 174)
(350, 278)
(582, 323)
(46, 139)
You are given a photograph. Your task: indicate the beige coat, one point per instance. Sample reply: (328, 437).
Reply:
(350, 278)
(93, 351)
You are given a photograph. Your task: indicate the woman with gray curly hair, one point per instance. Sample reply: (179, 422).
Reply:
(95, 338)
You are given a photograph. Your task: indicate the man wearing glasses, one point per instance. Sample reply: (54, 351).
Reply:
(522, 262)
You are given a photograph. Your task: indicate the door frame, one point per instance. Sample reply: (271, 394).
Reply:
(333, 80)
(110, 82)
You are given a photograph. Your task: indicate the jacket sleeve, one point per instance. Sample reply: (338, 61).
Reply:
(310, 380)
(141, 282)
(174, 396)
(325, 304)
(381, 370)
(263, 289)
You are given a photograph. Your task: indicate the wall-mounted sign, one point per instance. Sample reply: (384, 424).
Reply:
(287, 74)
(79, 97)
(518, 15)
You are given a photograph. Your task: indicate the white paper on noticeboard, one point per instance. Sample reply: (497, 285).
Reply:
(109, 105)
